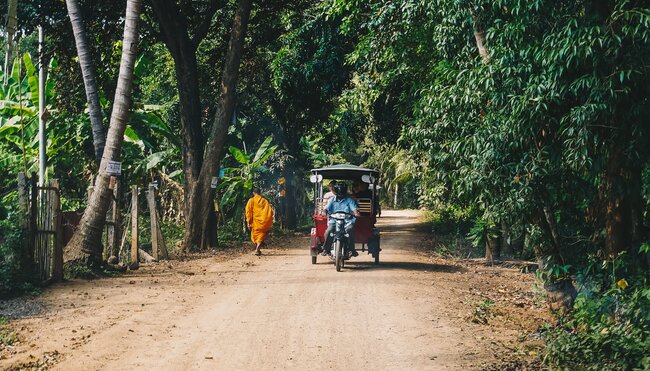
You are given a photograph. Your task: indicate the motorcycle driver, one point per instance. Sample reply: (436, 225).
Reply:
(341, 202)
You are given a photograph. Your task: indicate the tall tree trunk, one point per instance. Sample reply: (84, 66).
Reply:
(492, 248)
(89, 76)
(292, 175)
(85, 245)
(202, 228)
(506, 240)
(623, 200)
(395, 195)
(479, 36)
(175, 35)
(290, 215)
(560, 291)
(12, 21)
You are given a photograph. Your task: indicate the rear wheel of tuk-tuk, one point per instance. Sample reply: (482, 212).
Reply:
(313, 260)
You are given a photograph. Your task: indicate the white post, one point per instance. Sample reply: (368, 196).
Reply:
(42, 135)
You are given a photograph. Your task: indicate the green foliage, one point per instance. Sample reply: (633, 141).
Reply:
(554, 273)
(483, 312)
(481, 231)
(150, 146)
(230, 232)
(450, 220)
(398, 169)
(525, 136)
(19, 114)
(14, 278)
(605, 332)
(7, 337)
(238, 181)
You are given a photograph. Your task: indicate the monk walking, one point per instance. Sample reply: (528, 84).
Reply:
(259, 216)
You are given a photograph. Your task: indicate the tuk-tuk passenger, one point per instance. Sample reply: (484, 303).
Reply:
(341, 202)
(327, 196)
(362, 190)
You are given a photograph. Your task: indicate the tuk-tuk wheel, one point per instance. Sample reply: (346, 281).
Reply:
(313, 259)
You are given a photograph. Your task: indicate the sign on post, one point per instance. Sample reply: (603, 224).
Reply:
(114, 168)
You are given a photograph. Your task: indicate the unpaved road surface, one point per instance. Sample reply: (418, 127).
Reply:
(277, 311)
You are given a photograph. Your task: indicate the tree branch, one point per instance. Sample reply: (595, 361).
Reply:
(204, 27)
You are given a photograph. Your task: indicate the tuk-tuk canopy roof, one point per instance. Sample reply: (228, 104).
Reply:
(345, 172)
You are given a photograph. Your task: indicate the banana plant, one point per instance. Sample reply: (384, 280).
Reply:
(141, 156)
(19, 113)
(238, 181)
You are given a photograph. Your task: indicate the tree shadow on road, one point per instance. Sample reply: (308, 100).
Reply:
(411, 227)
(407, 266)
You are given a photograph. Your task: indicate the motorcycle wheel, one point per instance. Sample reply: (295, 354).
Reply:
(339, 255)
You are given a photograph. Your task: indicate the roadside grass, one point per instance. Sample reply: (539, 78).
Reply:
(7, 337)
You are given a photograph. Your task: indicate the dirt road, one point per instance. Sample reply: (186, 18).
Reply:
(277, 311)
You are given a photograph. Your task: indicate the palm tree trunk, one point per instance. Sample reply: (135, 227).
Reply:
(12, 21)
(202, 228)
(85, 245)
(89, 76)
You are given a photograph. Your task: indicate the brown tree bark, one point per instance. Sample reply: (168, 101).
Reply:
(89, 77)
(12, 7)
(174, 33)
(85, 245)
(561, 292)
(479, 36)
(623, 202)
(492, 248)
(201, 232)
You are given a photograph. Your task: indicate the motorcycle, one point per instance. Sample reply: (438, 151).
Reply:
(341, 250)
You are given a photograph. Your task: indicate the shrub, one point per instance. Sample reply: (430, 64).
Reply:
(12, 276)
(450, 219)
(609, 331)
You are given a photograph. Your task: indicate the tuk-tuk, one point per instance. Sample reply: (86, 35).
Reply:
(364, 228)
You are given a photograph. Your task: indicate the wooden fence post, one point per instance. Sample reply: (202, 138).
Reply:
(158, 247)
(151, 201)
(135, 264)
(113, 234)
(25, 221)
(33, 214)
(57, 257)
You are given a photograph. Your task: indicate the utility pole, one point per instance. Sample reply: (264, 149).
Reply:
(42, 135)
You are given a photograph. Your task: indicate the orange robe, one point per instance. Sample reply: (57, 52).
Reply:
(259, 215)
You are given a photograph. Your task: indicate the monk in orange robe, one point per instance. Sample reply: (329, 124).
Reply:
(259, 216)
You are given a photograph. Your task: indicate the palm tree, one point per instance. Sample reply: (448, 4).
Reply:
(85, 246)
(12, 5)
(89, 76)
